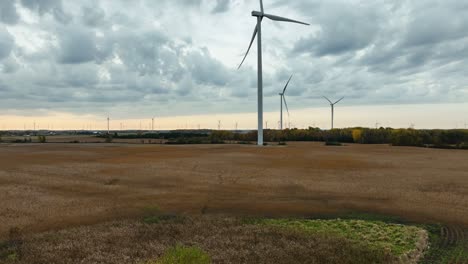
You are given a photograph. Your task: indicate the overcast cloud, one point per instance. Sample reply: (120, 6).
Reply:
(180, 57)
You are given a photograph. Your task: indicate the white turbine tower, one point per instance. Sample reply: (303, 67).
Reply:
(258, 31)
(283, 99)
(333, 109)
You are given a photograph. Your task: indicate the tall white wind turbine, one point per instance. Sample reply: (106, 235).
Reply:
(258, 31)
(283, 99)
(333, 109)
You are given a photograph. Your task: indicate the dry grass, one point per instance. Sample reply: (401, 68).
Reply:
(53, 186)
(225, 240)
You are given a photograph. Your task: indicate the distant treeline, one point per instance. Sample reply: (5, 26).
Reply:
(398, 137)
(457, 138)
(165, 135)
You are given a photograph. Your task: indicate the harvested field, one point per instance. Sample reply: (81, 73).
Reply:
(52, 186)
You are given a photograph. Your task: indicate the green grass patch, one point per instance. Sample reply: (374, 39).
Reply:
(183, 255)
(8, 253)
(438, 252)
(393, 238)
(453, 254)
(154, 215)
(392, 219)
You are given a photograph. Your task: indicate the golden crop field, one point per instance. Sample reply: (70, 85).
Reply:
(53, 186)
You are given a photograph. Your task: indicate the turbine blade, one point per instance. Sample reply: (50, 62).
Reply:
(285, 87)
(339, 100)
(278, 18)
(261, 5)
(285, 104)
(327, 99)
(250, 45)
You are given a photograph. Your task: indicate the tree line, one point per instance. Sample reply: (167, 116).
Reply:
(456, 138)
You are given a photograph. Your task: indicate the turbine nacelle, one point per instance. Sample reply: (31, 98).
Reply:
(261, 14)
(257, 14)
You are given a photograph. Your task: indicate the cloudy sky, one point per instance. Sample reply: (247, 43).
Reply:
(73, 63)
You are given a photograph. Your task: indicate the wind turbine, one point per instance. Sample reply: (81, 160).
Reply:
(333, 109)
(258, 31)
(283, 99)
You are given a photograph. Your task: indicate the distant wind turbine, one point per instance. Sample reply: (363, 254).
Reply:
(258, 31)
(333, 109)
(283, 99)
(108, 125)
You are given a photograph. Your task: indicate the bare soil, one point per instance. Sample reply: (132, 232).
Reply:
(47, 187)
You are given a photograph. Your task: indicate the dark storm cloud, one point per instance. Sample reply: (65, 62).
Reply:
(8, 13)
